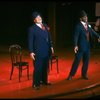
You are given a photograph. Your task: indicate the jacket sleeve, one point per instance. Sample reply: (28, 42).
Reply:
(94, 33)
(76, 36)
(31, 40)
(51, 43)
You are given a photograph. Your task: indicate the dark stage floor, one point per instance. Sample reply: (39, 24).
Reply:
(60, 88)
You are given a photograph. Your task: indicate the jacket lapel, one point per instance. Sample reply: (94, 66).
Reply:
(41, 33)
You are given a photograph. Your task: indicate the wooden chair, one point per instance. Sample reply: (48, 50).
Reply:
(54, 59)
(17, 61)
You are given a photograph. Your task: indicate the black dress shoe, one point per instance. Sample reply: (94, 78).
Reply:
(85, 77)
(36, 87)
(69, 78)
(46, 83)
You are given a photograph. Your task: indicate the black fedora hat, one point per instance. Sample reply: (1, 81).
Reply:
(35, 14)
(82, 13)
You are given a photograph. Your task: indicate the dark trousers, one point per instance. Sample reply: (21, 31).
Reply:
(40, 73)
(85, 55)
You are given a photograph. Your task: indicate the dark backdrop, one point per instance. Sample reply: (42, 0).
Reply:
(67, 17)
(15, 18)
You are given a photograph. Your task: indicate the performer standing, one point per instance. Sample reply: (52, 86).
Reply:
(81, 39)
(40, 47)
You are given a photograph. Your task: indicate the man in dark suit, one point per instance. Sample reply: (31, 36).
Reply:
(40, 48)
(81, 37)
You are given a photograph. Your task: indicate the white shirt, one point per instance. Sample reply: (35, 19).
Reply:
(84, 24)
(38, 25)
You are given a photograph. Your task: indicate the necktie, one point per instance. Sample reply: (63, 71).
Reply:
(42, 26)
(87, 32)
(86, 27)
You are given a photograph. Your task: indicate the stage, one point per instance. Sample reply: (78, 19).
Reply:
(60, 88)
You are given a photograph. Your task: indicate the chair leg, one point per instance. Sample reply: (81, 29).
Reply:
(48, 70)
(28, 72)
(11, 72)
(57, 67)
(20, 70)
(51, 64)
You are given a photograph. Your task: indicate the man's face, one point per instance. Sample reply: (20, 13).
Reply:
(38, 19)
(84, 19)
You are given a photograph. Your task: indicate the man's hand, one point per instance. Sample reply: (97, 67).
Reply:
(32, 55)
(76, 49)
(52, 50)
(99, 39)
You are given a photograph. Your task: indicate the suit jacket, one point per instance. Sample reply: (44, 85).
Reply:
(39, 41)
(80, 38)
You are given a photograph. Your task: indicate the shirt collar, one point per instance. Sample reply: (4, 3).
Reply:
(38, 25)
(83, 23)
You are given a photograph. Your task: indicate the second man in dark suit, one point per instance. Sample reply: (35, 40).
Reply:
(82, 34)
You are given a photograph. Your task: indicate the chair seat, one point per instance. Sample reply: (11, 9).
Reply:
(54, 57)
(20, 64)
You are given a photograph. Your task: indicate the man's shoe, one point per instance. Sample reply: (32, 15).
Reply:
(46, 83)
(36, 87)
(69, 78)
(85, 77)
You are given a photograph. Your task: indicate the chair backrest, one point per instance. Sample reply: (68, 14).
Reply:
(15, 53)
